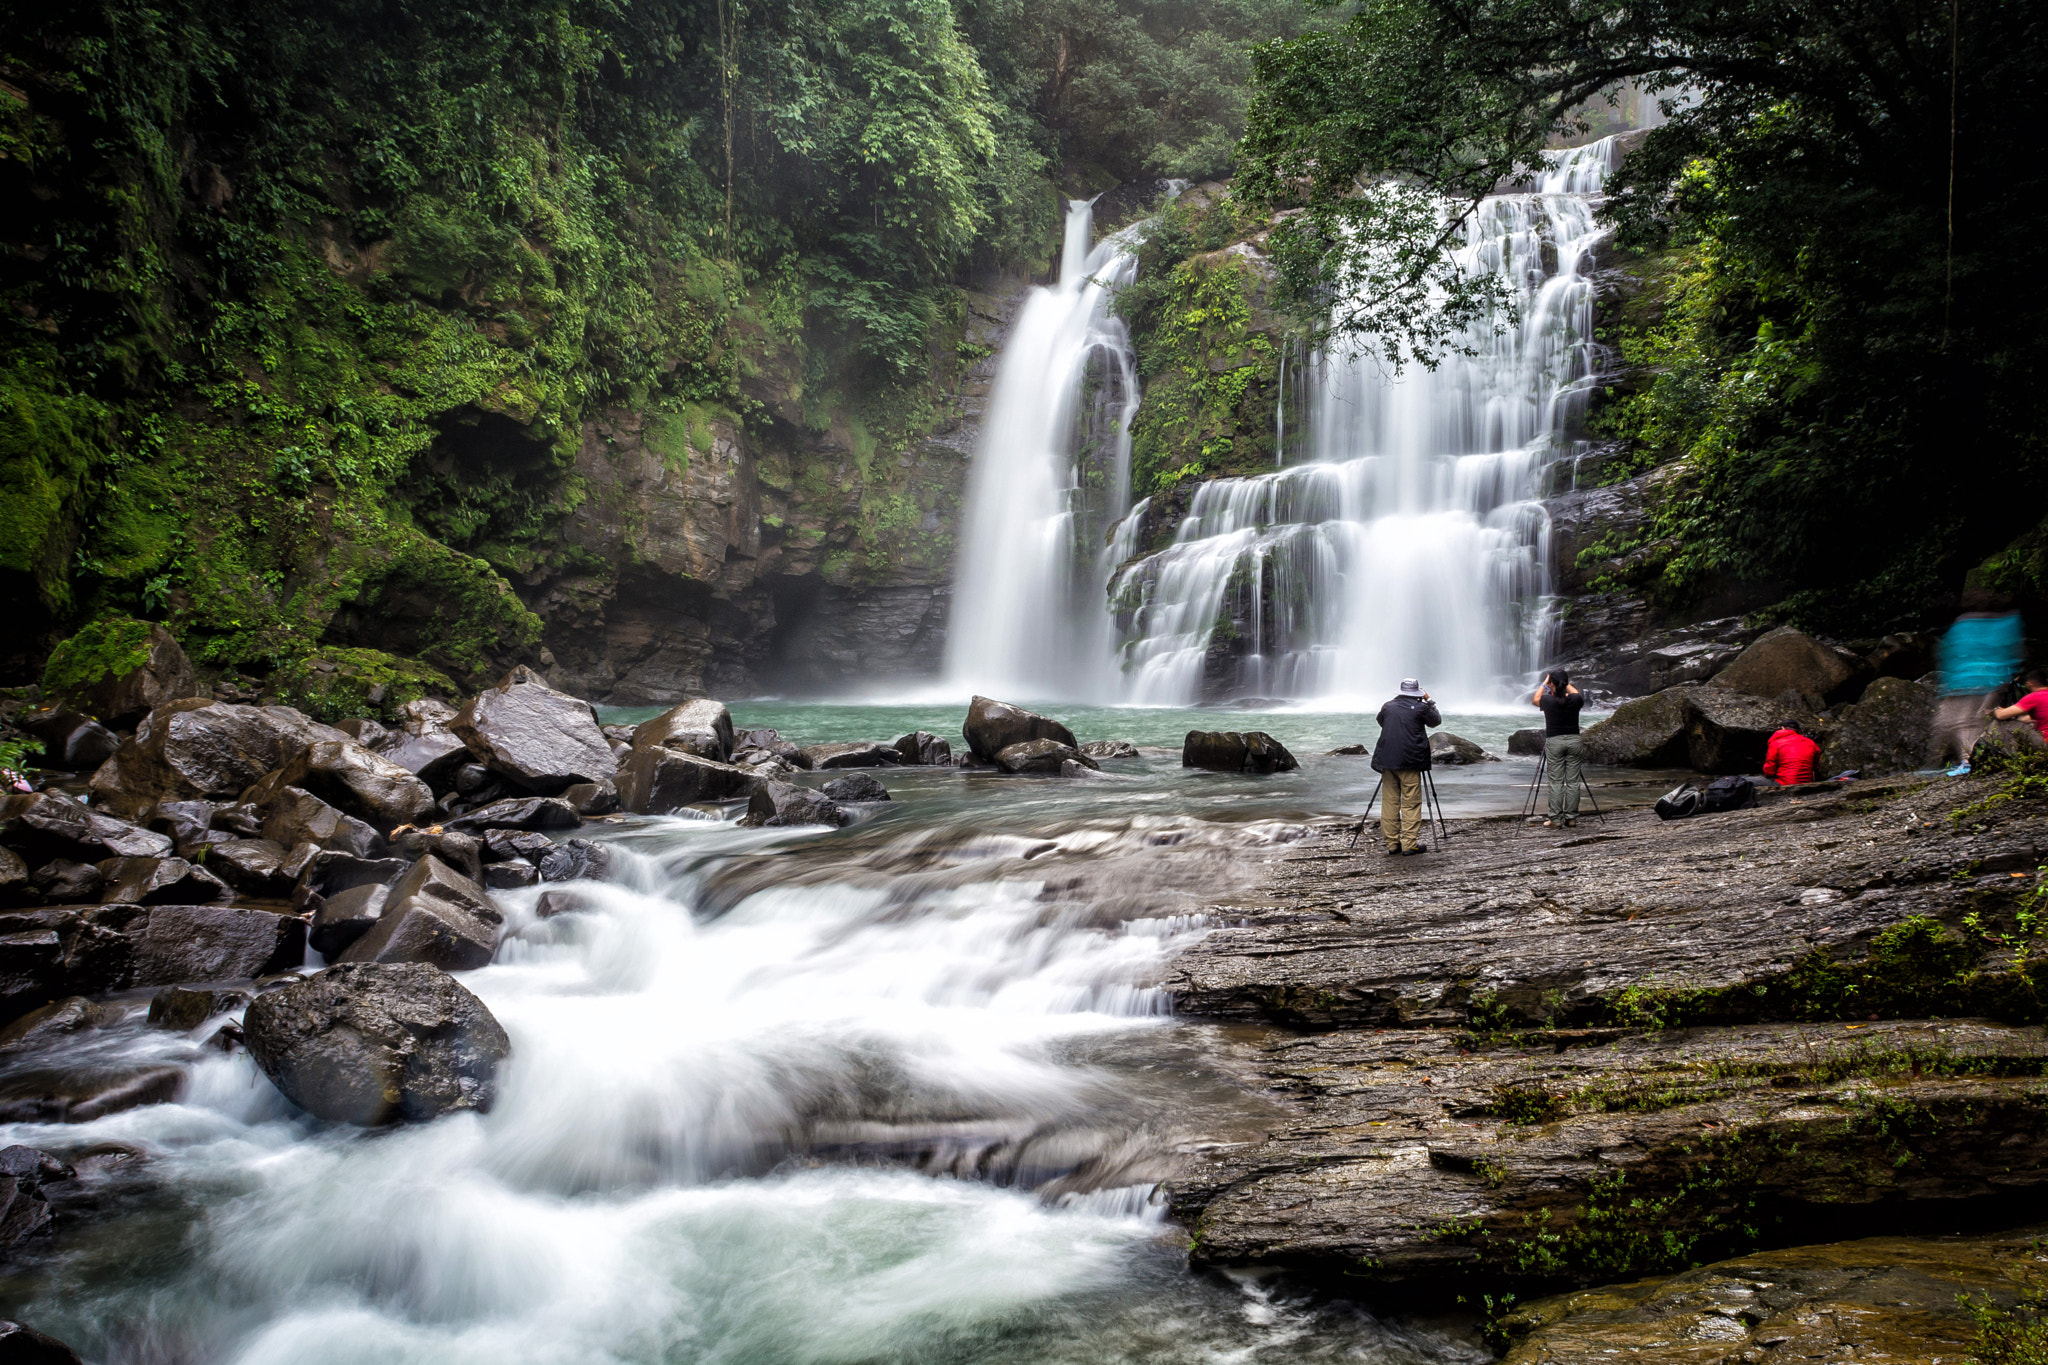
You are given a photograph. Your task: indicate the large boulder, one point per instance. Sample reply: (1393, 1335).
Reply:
(433, 756)
(852, 754)
(785, 803)
(1527, 743)
(257, 867)
(856, 787)
(1788, 660)
(1454, 750)
(159, 881)
(702, 727)
(922, 749)
(655, 781)
(119, 670)
(62, 881)
(93, 950)
(47, 825)
(201, 750)
(435, 915)
(351, 778)
(292, 816)
(992, 726)
(1232, 751)
(1728, 731)
(535, 737)
(71, 741)
(375, 1043)
(1039, 756)
(1649, 732)
(1890, 730)
(345, 917)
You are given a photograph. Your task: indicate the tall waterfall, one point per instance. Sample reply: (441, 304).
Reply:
(1412, 543)
(1051, 475)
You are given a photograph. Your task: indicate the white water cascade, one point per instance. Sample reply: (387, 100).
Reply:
(1052, 472)
(1411, 543)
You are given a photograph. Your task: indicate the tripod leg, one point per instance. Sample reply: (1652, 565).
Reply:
(1535, 784)
(1594, 800)
(1436, 806)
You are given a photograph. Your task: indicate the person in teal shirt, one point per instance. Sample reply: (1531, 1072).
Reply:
(1979, 655)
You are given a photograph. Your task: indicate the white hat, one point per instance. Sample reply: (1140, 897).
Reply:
(1411, 687)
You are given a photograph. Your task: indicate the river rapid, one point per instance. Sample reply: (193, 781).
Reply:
(901, 1092)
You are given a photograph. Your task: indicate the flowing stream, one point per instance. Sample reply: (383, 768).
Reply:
(1409, 542)
(901, 1092)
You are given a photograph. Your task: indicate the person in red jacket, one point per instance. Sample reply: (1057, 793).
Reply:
(2033, 703)
(1789, 759)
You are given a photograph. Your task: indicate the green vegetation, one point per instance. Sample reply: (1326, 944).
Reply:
(1840, 354)
(106, 648)
(2015, 1333)
(336, 684)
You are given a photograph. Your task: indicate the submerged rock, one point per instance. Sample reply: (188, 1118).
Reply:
(378, 1043)
(853, 754)
(82, 1094)
(922, 748)
(25, 1213)
(58, 1019)
(535, 737)
(184, 1008)
(1039, 756)
(703, 728)
(1455, 750)
(21, 1345)
(992, 726)
(1231, 751)
(1109, 748)
(785, 803)
(856, 787)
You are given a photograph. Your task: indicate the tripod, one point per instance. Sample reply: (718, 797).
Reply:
(1536, 785)
(1430, 804)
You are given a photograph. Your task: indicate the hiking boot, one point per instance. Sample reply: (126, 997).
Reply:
(1571, 822)
(1393, 852)
(1419, 848)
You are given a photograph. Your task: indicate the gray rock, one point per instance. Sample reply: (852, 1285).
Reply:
(184, 1008)
(82, 1094)
(55, 952)
(433, 757)
(992, 726)
(590, 799)
(433, 915)
(254, 867)
(1455, 750)
(1039, 756)
(1788, 660)
(856, 787)
(1728, 731)
(122, 699)
(15, 885)
(188, 823)
(20, 1345)
(350, 778)
(159, 881)
(1109, 748)
(762, 763)
(71, 741)
(204, 750)
(328, 873)
(922, 748)
(370, 1044)
(460, 849)
(213, 943)
(510, 876)
(515, 845)
(541, 740)
(701, 727)
(853, 754)
(1649, 733)
(371, 734)
(292, 816)
(46, 825)
(25, 1213)
(62, 881)
(655, 781)
(1349, 751)
(1074, 767)
(345, 917)
(785, 803)
(553, 903)
(1527, 743)
(1890, 730)
(58, 1019)
(1229, 751)
(575, 860)
(519, 812)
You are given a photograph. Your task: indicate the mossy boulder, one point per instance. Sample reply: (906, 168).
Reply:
(119, 669)
(338, 684)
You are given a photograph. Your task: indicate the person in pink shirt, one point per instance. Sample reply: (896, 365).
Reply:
(2033, 703)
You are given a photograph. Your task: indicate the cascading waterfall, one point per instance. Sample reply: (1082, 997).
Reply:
(1052, 473)
(1412, 543)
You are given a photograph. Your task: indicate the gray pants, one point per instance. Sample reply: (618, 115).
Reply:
(1565, 756)
(1959, 721)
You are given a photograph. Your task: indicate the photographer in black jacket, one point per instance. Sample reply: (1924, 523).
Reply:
(1401, 758)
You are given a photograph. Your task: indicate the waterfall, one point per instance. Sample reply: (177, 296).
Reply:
(1051, 475)
(1411, 542)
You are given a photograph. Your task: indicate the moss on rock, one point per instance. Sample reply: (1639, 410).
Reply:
(338, 683)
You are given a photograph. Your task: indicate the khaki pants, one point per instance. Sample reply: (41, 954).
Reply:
(1401, 809)
(1958, 722)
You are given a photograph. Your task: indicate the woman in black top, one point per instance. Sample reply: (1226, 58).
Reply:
(1563, 749)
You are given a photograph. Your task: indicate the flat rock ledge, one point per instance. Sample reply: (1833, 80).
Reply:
(1549, 1060)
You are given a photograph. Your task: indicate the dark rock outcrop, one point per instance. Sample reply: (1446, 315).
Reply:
(1727, 731)
(434, 915)
(71, 741)
(1455, 750)
(1787, 660)
(184, 1008)
(64, 882)
(655, 781)
(291, 816)
(201, 750)
(785, 803)
(1039, 756)
(703, 728)
(856, 787)
(47, 825)
(992, 726)
(82, 1094)
(255, 867)
(1527, 743)
(162, 674)
(58, 1019)
(159, 881)
(1890, 729)
(541, 740)
(851, 754)
(345, 917)
(25, 1213)
(922, 748)
(351, 778)
(93, 950)
(1231, 751)
(20, 1345)
(377, 1043)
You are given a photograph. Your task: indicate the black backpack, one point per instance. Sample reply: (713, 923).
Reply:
(1727, 793)
(1679, 802)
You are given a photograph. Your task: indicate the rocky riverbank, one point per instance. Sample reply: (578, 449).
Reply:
(1529, 1062)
